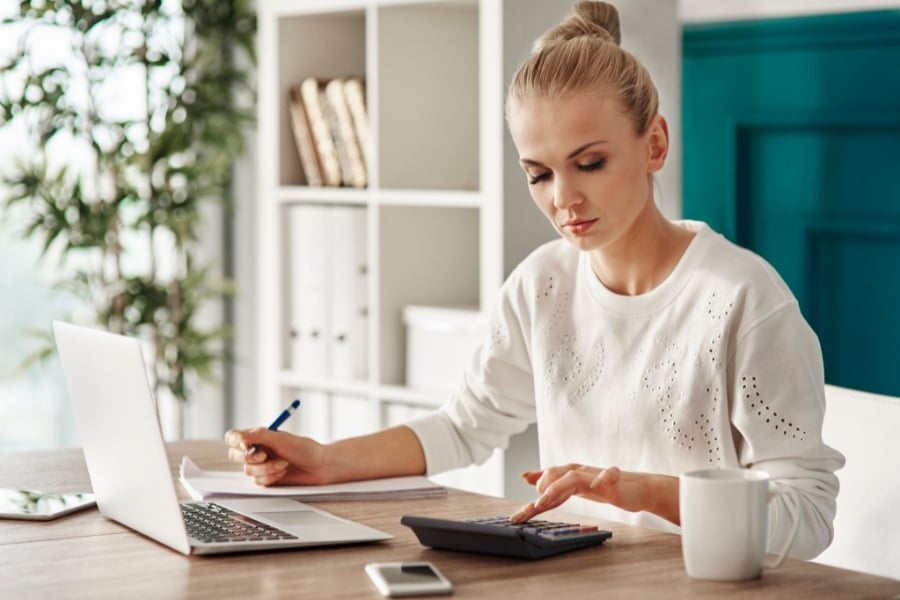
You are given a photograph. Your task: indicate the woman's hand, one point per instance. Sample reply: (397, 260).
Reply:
(627, 490)
(280, 458)
(285, 459)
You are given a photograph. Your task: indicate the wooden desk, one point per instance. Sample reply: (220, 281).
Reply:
(86, 556)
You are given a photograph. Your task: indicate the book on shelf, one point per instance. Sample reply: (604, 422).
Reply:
(303, 138)
(353, 169)
(355, 96)
(313, 97)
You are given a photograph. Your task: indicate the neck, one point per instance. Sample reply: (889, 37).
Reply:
(643, 257)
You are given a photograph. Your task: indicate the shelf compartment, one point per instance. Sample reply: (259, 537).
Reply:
(428, 96)
(427, 256)
(338, 43)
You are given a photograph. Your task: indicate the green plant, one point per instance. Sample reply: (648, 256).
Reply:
(122, 208)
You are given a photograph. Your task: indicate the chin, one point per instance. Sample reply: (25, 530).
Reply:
(583, 244)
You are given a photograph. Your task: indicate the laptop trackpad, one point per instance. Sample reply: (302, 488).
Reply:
(303, 518)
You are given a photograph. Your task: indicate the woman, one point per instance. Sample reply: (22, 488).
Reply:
(642, 347)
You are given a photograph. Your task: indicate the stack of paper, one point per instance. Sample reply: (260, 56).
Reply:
(202, 484)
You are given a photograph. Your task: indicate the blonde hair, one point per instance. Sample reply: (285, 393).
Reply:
(581, 55)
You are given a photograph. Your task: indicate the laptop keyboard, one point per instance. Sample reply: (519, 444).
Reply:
(208, 522)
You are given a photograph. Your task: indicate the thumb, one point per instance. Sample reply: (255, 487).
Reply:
(258, 436)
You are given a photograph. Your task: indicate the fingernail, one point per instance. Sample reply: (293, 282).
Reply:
(280, 465)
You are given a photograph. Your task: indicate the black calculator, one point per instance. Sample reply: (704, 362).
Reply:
(498, 536)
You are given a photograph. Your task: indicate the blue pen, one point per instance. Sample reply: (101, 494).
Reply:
(278, 422)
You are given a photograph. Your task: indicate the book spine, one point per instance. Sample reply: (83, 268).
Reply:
(340, 145)
(355, 96)
(321, 132)
(305, 146)
(353, 168)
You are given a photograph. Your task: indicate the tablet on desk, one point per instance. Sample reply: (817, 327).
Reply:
(35, 505)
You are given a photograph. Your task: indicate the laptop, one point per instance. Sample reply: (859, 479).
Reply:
(126, 460)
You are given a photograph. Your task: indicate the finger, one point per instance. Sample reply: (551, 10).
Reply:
(552, 500)
(570, 484)
(551, 475)
(270, 478)
(248, 439)
(236, 455)
(531, 477)
(255, 454)
(266, 469)
(532, 509)
(234, 439)
(240, 456)
(524, 513)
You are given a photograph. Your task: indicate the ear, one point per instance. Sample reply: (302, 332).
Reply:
(658, 143)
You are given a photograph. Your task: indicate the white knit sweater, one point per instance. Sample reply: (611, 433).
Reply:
(715, 367)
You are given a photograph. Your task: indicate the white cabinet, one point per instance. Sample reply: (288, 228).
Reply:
(444, 219)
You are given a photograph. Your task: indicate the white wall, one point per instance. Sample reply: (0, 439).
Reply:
(701, 11)
(651, 33)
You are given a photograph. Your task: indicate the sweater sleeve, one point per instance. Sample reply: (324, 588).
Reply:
(495, 399)
(778, 405)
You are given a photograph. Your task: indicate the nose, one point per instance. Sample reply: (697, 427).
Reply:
(565, 194)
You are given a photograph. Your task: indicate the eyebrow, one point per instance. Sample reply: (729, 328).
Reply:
(573, 154)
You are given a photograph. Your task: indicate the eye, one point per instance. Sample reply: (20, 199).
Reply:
(534, 179)
(593, 166)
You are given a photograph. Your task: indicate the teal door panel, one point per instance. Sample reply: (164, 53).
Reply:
(791, 148)
(834, 238)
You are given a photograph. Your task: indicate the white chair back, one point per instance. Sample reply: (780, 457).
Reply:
(865, 427)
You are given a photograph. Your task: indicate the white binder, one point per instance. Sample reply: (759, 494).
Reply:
(308, 291)
(348, 328)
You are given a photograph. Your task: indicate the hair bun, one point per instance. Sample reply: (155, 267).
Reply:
(587, 18)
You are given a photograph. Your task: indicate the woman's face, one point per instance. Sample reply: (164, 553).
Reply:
(588, 171)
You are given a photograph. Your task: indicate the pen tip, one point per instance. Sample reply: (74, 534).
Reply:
(295, 403)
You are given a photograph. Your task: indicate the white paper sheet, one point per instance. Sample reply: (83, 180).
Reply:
(201, 484)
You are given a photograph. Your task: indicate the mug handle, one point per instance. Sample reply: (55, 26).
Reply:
(794, 509)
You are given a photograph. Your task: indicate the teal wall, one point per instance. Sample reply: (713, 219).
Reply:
(792, 149)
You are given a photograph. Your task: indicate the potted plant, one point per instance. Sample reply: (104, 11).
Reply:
(129, 137)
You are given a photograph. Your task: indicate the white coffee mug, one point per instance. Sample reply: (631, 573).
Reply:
(725, 522)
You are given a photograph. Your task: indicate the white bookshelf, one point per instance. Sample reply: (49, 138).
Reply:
(447, 210)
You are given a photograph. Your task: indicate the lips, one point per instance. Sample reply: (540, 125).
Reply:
(579, 226)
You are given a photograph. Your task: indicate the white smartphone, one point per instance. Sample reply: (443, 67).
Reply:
(396, 579)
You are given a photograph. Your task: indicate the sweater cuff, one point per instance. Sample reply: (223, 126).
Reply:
(440, 443)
